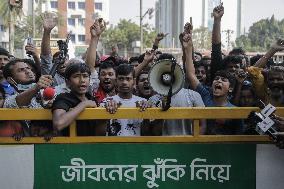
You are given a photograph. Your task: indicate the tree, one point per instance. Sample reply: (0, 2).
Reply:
(9, 15)
(24, 28)
(262, 34)
(126, 32)
(201, 38)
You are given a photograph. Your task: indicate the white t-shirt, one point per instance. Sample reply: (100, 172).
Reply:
(125, 127)
(184, 98)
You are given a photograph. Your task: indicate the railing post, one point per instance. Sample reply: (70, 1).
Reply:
(196, 127)
(73, 130)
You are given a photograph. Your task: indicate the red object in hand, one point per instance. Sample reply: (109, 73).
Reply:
(48, 93)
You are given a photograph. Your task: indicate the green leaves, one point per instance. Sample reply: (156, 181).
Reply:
(201, 38)
(125, 33)
(4, 12)
(262, 34)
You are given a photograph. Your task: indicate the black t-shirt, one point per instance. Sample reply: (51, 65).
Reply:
(66, 101)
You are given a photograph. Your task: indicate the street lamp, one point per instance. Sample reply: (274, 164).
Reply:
(150, 12)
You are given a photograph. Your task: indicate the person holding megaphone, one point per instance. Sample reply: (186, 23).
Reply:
(181, 97)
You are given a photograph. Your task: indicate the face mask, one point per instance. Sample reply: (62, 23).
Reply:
(22, 87)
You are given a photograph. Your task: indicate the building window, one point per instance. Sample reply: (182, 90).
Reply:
(71, 5)
(81, 5)
(4, 45)
(99, 6)
(71, 21)
(81, 38)
(54, 4)
(81, 21)
(72, 38)
(2, 28)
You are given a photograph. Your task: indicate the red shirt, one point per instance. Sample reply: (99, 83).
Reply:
(9, 128)
(99, 95)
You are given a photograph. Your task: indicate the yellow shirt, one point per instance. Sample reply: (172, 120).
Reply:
(258, 82)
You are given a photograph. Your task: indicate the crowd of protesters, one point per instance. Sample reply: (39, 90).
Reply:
(111, 82)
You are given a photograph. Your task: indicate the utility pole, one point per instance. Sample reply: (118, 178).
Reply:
(11, 30)
(141, 27)
(228, 34)
(203, 14)
(33, 16)
(150, 12)
(12, 18)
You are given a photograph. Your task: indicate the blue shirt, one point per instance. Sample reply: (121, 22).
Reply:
(207, 96)
(9, 90)
(220, 126)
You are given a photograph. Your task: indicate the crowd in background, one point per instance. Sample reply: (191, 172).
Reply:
(111, 81)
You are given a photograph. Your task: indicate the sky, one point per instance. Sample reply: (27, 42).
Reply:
(130, 9)
(257, 9)
(254, 10)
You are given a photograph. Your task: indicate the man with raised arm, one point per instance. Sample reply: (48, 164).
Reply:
(222, 85)
(270, 88)
(49, 22)
(232, 64)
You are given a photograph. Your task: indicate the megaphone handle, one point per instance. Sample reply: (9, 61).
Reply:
(167, 106)
(170, 93)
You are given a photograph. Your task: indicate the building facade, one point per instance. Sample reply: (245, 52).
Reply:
(170, 19)
(76, 17)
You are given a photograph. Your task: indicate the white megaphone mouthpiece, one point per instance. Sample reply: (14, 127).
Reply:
(161, 78)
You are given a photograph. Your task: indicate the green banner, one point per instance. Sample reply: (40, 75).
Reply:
(114, 166)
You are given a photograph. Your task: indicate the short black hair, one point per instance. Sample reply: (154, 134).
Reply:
(237, 51)
(200, 63)
(7, 70)
(125, 69)
(4, 52)
(228, 75)
(106, 65)
(232, 59)
(120, 60)
(164, 56)
(254, 59)
(198, 53)
(76, 67)
(142, 72)
(133, 59)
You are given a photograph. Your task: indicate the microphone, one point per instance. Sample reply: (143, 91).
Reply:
(48, 93)
(265, 122)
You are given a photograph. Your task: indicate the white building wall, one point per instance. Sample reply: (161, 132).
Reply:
(104, 13)
(76, 14)
(4, 36)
